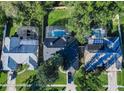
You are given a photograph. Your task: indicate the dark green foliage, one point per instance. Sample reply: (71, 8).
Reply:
(51, 68)
(87, 81)
(47, 73)
(86, 15)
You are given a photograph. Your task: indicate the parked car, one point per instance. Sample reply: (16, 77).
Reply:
(70, 78)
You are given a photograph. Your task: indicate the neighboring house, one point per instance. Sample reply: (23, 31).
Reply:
(57, 40)
(20, 49)
(103, 52)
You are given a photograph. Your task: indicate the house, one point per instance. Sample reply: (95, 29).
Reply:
(20, 49)
(58, 39)
(103, 51)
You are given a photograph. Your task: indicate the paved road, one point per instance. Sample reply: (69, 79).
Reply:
(11, 82)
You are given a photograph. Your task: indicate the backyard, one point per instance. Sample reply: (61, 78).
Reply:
(58, 17)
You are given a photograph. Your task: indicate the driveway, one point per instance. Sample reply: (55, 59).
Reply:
(70, 85)
(11, 82)
(112, 81)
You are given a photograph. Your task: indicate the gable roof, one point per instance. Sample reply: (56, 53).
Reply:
(19, 50)
(58, 42)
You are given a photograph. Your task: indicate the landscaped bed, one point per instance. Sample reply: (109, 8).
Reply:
(3, 80)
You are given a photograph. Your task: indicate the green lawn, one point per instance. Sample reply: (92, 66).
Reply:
(120, 77)
(58, 17)
(61, 79)
(103, 77)
(47, 89)
(121, 89)
(55, 88)
(3, 80)
(21, 79)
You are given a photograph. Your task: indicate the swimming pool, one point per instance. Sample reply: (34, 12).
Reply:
(58, 33)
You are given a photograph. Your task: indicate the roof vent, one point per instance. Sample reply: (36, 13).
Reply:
(64, 39)
(51, 43)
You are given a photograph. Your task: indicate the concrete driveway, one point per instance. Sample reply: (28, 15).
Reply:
(70, 86)
(112, 81)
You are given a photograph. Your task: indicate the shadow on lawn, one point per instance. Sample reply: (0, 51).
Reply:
(60, 22)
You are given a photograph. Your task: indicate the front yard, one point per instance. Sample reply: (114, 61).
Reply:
(61, 79)
(55, 88)
(120, 77)
(3, 80)
(23, 77)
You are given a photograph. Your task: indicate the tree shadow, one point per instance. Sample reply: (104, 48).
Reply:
(61, 22)
(9, 25)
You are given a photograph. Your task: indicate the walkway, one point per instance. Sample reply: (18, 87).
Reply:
(11, 82)
(60, 69)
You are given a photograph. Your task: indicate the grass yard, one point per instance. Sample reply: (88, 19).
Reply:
(120, 77)
(121, 89)
(55, 88)
(61, 79)
(58, 17)
(103, 77)
(21, 79)
(3, 80)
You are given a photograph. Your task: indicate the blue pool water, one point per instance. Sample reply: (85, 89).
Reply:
(58, 33)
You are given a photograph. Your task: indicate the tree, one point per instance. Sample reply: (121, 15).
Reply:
(87, 81)
(88, 14)
(51, 68)
(39, 81)
(28, 13)
(47, 73)
(32, 12)
(2, 21)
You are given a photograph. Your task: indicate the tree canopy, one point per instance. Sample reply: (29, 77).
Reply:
(24, 12)
(88, 14)
(87, 81)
